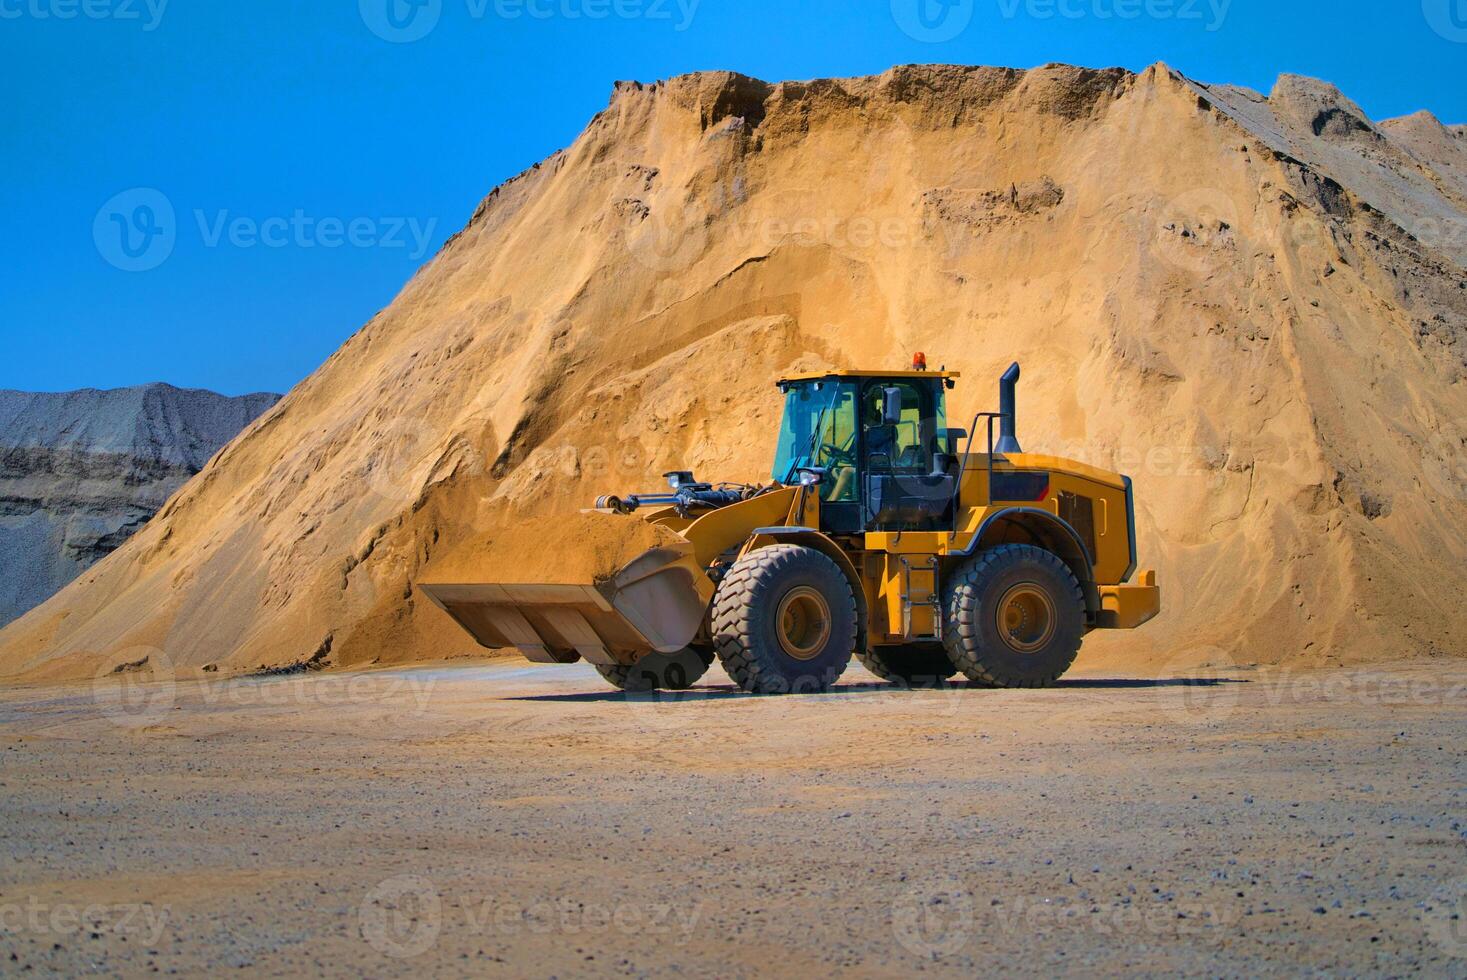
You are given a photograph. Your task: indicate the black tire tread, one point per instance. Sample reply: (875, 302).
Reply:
(959, 633)
(618, 675)
(623, 677)
(732, 621)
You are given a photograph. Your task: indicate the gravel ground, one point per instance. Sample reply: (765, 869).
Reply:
(517, 820)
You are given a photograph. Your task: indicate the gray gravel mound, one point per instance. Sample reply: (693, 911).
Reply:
(80, 471)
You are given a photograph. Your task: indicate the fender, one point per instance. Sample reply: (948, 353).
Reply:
(1073, 553)
(809, 537)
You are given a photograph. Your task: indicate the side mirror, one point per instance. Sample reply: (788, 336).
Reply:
(891, 405)
(811, 476)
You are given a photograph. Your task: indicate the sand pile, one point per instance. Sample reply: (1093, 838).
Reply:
(1255, 305)
(567, 549)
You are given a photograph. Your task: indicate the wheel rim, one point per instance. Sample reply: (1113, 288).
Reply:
(1026, 618)
(802, 622)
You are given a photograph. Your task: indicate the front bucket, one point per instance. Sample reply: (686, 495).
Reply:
(656, 602)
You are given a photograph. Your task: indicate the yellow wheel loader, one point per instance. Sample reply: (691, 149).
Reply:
(884, 534)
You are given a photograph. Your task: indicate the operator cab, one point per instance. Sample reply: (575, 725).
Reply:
(879, 444)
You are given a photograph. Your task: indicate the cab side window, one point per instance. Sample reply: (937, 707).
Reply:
(892, 416)
(838, 447)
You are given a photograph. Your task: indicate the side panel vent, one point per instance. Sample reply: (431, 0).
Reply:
(1079, 513)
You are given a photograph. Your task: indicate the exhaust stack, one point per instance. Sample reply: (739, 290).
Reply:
(1008, 442)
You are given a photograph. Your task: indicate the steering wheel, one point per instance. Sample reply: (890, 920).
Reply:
(832, 453)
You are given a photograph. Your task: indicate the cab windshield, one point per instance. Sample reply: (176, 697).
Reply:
(819, 427)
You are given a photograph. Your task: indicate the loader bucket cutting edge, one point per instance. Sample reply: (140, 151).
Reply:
(655, 602)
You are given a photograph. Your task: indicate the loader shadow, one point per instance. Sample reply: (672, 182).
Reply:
(721, 692)
(1134, 683)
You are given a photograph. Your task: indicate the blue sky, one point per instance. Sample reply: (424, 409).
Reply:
(313, 154)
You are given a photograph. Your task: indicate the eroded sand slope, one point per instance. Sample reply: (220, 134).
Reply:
(1255, 306)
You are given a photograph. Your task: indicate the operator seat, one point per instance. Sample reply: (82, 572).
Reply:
(881, 440)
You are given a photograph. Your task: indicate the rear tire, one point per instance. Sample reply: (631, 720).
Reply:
(910, 665)
(784, 621)
(659, 671)
(1015, 617)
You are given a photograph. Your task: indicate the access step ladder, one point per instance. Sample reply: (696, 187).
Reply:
(920, 587)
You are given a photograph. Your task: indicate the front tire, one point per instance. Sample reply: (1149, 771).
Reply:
(784, 620)
(1015, 617)
(659, 671)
